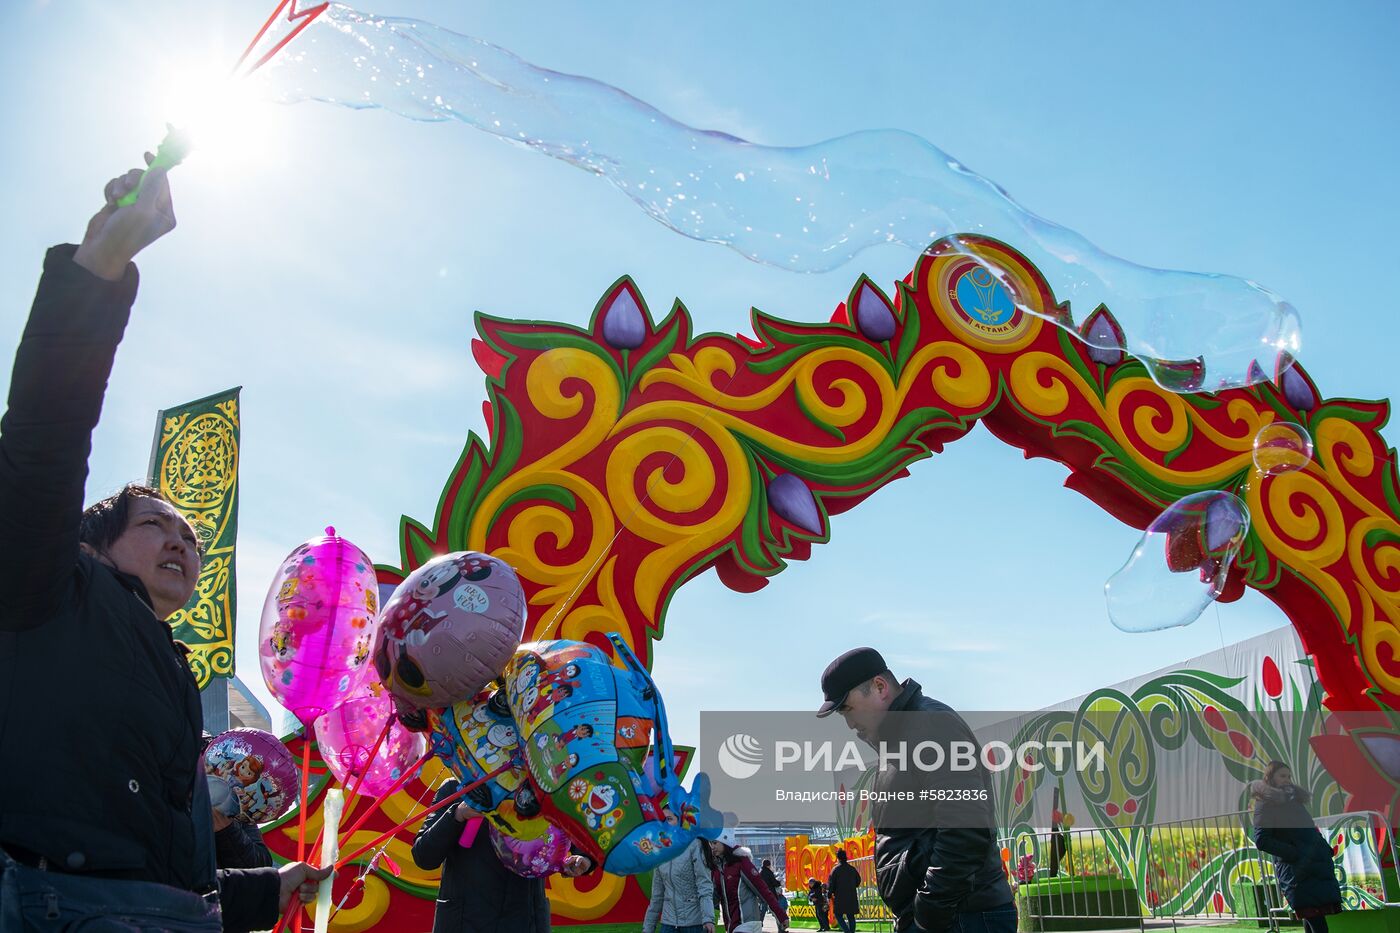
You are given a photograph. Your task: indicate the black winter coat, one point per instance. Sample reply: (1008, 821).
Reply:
(844, 885)
(1302, 858)
(935, 859)
(241, 845)
(477, 894)
(100, 719)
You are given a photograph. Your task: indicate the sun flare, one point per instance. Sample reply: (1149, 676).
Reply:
(227, 121)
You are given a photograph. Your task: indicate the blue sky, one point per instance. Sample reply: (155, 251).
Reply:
(332, 262)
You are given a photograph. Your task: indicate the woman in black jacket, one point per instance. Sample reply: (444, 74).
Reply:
(1302, 858)
(114, 816)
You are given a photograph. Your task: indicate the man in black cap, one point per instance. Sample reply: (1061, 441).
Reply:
(937, 863)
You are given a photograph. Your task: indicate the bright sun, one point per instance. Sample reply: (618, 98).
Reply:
(226, 121)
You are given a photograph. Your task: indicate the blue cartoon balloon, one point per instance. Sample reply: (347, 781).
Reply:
(478, 739)
(596, 745)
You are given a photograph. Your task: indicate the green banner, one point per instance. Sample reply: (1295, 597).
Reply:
(194, 462)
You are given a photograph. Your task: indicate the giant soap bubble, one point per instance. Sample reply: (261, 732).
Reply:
(1180, 565)
(804, 208)
(1282, 447)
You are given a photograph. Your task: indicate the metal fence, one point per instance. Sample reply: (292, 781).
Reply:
(1186, 872)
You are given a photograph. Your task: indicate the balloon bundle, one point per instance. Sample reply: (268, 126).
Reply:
(582, 759)
(558, 748)
(315, 641)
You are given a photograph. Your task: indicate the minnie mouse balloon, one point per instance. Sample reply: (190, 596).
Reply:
(256, 769)
(318, 626)
(348, 734)
(600, 757)
(449, 629)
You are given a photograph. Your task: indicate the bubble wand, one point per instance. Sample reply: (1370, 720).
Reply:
(177, 143)
(171, 152)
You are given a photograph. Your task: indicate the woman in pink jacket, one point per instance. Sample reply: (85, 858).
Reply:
(740, 889)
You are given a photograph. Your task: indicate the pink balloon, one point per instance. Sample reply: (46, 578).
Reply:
(318, 626)
(258, 771)
(532, 858)
(347, 734)
(449, 629)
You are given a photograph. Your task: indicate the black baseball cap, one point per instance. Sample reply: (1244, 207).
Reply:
(846, 673)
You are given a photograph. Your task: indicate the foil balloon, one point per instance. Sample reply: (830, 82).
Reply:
(477, 740)
(317, 626)
(449, 629)
(348, 734)
(600, 756)
(257, 772)
(532, 858)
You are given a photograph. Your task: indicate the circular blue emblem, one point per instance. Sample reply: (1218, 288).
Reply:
(983, 298)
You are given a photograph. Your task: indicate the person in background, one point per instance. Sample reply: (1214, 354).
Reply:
(844, 885)
(682, 894)
(766, 871)
(816, 893)
(739, 887)
(1302, 858)
(478, 894)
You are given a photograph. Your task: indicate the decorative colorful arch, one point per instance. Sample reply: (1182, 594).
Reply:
(627, 457)
(630, 456)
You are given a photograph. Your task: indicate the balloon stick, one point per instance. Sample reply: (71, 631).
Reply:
(335, 799)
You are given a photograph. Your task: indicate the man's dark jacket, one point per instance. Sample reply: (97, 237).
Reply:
(477, 894)
(844, 885)
(100, 718)
(935, 858)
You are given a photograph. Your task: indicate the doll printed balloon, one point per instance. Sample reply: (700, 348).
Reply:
(449, 629)
(598, 751)
(532, 858)
(347, 734)
(317, 626)
(258, 770)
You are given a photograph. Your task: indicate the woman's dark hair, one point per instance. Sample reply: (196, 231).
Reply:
(707, 855)
(103, 522)
(841, 855)
(1272, 768)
